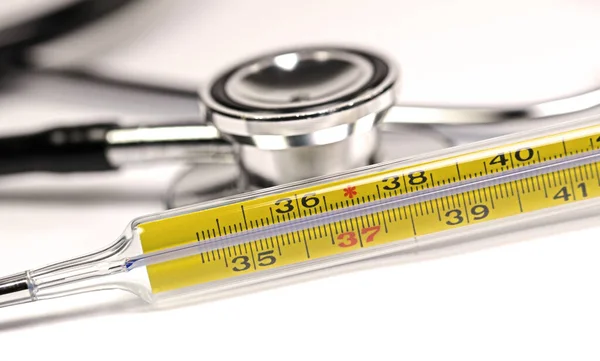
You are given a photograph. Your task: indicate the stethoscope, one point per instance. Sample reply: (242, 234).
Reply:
(277, 118)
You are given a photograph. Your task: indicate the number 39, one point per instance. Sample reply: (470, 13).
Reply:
(455, 216)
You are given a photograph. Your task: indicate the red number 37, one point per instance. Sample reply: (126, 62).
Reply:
(349, 239)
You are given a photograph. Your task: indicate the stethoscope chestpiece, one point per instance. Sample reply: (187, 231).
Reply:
(314, 108)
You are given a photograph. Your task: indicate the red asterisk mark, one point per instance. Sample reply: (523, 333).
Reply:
(350, 192)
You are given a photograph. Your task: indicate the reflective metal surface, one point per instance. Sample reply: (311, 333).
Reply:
(309, 95)
(298, 79)
(309, 112)
(15, 289)
(471, 115)
(198, 143)
(303, 113)
(203, 182)
(298, 114)
(279, 166)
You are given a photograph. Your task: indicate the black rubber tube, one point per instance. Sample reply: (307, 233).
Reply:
(61, 150)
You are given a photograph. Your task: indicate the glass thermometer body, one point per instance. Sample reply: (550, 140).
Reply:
(328, 221)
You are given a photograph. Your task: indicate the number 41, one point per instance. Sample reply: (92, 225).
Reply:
(564, 194)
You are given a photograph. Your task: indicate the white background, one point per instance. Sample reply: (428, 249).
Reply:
(533, 295)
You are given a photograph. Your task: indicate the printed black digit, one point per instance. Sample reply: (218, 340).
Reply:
(480, 211)
(499, 159)
(416, 178)
(287, 205)
(310, 200)
(391, 183)
(455, 216)
(563, 194)
(583, 189)
(243, 261)
(524, 154)
(266, 258)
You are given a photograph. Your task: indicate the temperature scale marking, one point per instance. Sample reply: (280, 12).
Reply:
(377, 227)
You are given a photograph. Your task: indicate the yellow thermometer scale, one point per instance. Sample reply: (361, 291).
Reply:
(333, 220)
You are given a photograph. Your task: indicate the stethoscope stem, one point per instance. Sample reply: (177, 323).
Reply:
(189, 143)
(105, 146)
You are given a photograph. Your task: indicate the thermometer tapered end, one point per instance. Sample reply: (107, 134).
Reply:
(15, 289)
